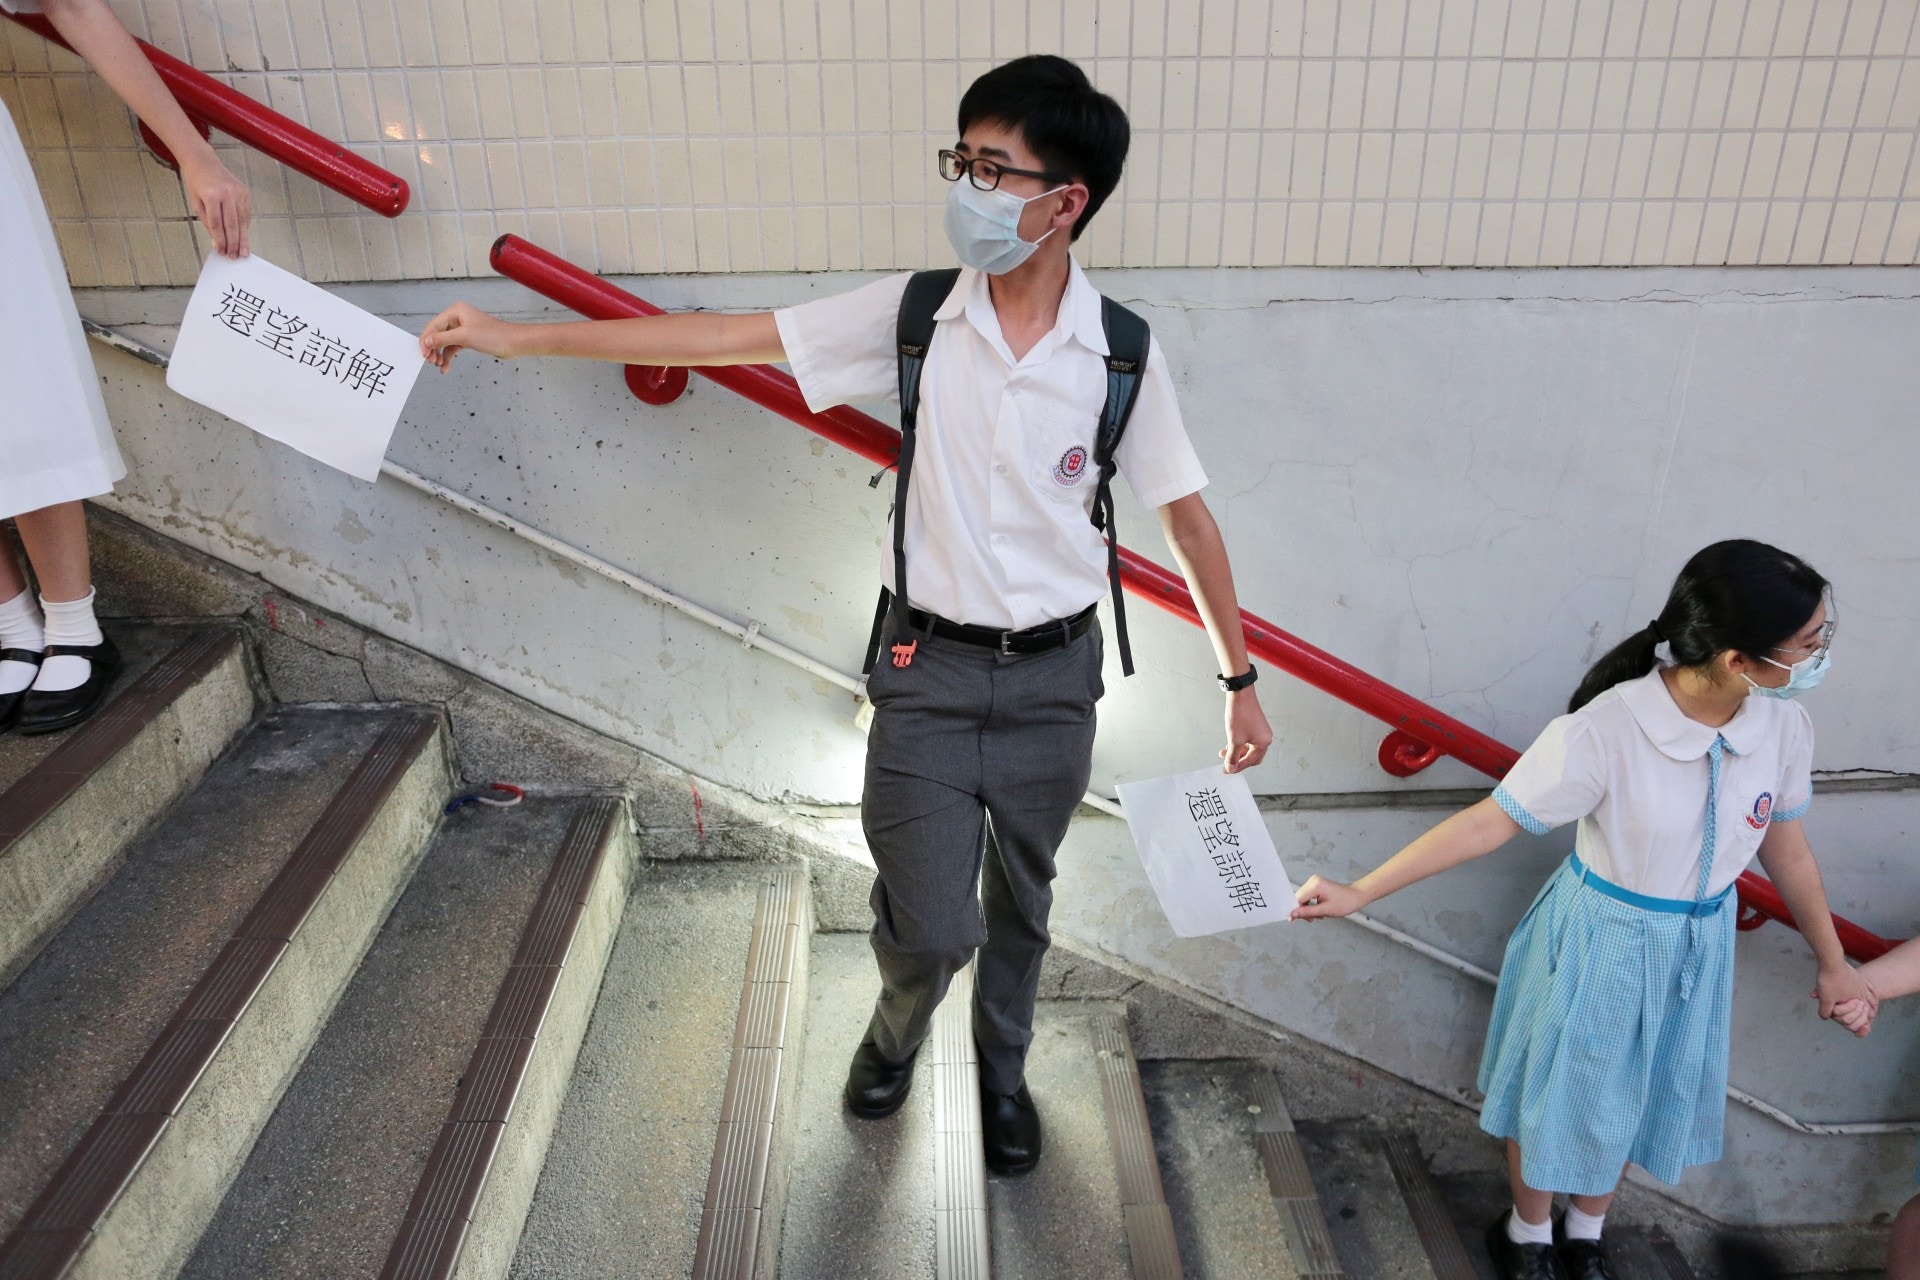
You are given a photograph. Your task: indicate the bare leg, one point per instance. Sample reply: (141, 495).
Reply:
(1534, 1206)
(1903, 1250)
(12, 580)
(56, 541)
(1595, 1206)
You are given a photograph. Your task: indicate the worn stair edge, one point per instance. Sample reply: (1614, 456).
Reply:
(962, 1248)
(133, 1197)
(65, 826)
(1290, 1182)
(1143, 1201)
(746, 1183)
(1446, 1252)
(473, 1197)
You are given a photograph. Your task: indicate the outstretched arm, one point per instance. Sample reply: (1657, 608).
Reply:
(1196, 544)
(1789, 864)
(1896, 973)
(682, 340)
(219, 199)
(1472, 833)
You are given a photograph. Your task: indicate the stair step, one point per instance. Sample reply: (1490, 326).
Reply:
(1446, 1253)
(861, 1205)
(71, 803)
(1211, 1123)
(963, 1247)
(1068, 1219)
(622, 1190)
(147, 1044)
(327, 1186)
(1367, 1216)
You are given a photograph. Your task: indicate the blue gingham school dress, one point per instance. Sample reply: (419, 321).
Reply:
(1609, 1038)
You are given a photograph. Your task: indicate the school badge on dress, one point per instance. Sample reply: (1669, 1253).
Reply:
(1072, 467)
(1762, 811)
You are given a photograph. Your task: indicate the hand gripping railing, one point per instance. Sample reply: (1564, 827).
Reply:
(1421, 734)
(208, 103)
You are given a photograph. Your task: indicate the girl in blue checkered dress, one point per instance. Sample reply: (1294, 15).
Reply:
(1681, 757)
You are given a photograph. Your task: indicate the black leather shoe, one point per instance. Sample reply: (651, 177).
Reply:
(1519, 1261)
(10, 702)
(49, 712)
(1009, 1131)
(1584, 1259)
(876, 1087)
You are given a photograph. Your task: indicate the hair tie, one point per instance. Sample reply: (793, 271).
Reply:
(1653, 629)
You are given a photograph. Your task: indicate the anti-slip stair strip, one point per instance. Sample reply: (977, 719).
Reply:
(428, 1244)
(93, 1176)
(735, 1212)
(1431, 1221)
(67, 767)
(961, 1249)
(1143, 1201)
(1290, 1183)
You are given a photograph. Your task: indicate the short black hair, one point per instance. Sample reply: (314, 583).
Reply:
(1070, 126)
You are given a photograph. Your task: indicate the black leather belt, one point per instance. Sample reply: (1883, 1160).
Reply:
(1048, 635)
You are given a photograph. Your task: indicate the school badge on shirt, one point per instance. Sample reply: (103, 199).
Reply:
(1072, 466)
(1762, 811)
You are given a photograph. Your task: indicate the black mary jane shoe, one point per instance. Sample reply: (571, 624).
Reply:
(50, 711)
(876, 1087)
(1520, 1261)
(10, 702)
(1009, 1131)
(1585, 1259)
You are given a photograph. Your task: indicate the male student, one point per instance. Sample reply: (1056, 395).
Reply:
(990, 665)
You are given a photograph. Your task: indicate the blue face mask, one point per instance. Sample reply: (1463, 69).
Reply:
(1801, 676)
(984, 227)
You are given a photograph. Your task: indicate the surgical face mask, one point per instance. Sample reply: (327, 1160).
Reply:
(984, 227)
(1801, 676)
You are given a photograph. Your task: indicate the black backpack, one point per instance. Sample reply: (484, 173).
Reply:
(1127, 339)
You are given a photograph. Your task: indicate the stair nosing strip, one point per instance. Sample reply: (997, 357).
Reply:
(76, 1178)
(88, 748)
(1439, 1238)
(1136, 1166)
(737, 1176)
(421, 1250)
(959, 1151)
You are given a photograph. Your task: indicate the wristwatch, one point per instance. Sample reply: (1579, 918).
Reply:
(1234, 684)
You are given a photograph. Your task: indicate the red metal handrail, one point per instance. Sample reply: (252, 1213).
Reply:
(1421, 734)
(207, 102)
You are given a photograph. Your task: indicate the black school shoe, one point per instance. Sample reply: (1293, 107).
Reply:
(1009, 1131)
(10, 702)
(43, 711)
(876, 1087)
(1520, 1261)
(1587, 1259)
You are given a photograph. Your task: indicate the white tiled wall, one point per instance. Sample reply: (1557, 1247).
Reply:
(746, 135)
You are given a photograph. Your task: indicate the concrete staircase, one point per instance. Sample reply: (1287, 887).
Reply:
(269, 1011)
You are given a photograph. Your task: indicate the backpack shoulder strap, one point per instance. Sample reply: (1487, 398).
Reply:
(1128, 339)
(926, 290)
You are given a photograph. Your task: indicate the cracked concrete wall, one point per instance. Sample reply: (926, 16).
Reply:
(1467, 482)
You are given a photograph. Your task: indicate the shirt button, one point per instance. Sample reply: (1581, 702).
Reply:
(1000, 538)
(1000, 467)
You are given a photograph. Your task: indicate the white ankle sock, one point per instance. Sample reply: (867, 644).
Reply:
(1520, 1231)
(68, 622)
(1583, 1226)
(20, 628)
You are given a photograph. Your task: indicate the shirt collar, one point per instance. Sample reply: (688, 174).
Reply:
(1079, 317)
(1677, 736)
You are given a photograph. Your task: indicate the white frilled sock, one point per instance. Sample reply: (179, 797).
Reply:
(1584, 1226)
(20, 628)
(1520, 1231)
(68, 622)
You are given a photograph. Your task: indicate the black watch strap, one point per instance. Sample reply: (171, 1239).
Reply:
(1234, 684)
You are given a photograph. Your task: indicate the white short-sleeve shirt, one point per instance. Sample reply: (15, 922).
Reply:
(1632, 769)
(998, 531)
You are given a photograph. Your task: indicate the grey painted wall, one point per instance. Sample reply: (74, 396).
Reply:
(1467, 482)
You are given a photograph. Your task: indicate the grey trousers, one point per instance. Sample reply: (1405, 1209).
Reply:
(974, 766)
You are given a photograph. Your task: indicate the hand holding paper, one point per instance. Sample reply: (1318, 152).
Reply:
(295, 363)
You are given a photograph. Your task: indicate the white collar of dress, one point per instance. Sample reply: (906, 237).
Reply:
(1679, 737)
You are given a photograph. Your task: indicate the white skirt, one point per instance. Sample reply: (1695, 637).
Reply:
(55, 443)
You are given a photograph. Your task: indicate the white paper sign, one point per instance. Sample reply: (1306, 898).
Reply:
(295, 363)
(1207, 851)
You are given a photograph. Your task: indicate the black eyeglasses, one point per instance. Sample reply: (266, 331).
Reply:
(986, 174)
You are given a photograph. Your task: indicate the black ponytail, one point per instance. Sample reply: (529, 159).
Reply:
(1739, 594)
